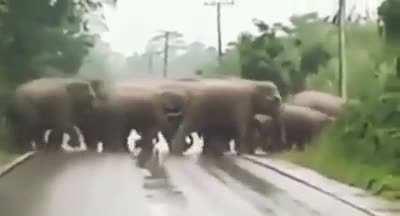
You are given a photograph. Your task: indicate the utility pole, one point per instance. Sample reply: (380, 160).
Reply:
(219, 33)
(150, 62)
(342, 50)
(218, 5)
(168, 37)
(166, 48)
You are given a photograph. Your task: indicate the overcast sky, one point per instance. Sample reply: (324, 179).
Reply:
(133, 22)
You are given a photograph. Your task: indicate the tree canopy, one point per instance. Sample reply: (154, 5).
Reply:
(38, 37)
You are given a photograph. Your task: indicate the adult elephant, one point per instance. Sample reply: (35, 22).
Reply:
(48, 103)
(301, 125)
(131, 106)
(173, 95)
(160, 95)
(227, 104)
(329, 104)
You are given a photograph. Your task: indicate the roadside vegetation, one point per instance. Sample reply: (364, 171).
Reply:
(362, 148)
(43, 38)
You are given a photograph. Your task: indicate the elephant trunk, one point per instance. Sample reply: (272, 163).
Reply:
(178, 143)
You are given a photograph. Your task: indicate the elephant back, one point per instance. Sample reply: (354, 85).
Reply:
(303, 118)
(323, 102)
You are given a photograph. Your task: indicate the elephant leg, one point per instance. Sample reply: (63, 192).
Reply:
(178, 144)
(91, 139)
(74, 137)
(281, 132)
(124, 142)
(243, 142)
(215, 145)
(225, 145)
(170, 129)
(302, 142)
(139, 143)
(279, 139)
(121, 141)
(168, 137)
(55, 139)
(38, 137)
(107, 142)
(188, 144)
(242, 124)
(301, 146)
(264, 142)
(207, 143)
(115, 143)
(240, 140)
(251, 140)
(113, 138)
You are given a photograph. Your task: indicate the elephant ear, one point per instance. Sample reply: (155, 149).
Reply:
(96, 84)
(99, 88)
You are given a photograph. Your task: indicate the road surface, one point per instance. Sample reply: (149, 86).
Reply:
(91, 184)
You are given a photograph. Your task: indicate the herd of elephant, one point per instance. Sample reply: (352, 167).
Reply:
(219, 110)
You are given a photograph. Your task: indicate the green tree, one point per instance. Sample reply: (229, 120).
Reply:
(285, 55)
(258, 56)
(42, 35)
(389, 12)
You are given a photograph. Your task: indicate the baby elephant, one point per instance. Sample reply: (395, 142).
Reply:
(301, 125)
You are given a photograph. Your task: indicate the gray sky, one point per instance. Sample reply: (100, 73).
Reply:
(133, 22)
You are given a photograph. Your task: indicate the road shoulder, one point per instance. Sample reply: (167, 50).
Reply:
(352, 196)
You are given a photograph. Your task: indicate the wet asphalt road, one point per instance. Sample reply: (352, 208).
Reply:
(91, 184)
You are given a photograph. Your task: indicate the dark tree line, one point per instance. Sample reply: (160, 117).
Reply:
(38, 37)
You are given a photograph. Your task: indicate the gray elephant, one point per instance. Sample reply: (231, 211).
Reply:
(128, 106)
(48, 103)
(174, 97)
(301, 125)
(226, 104)
(323, 102)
